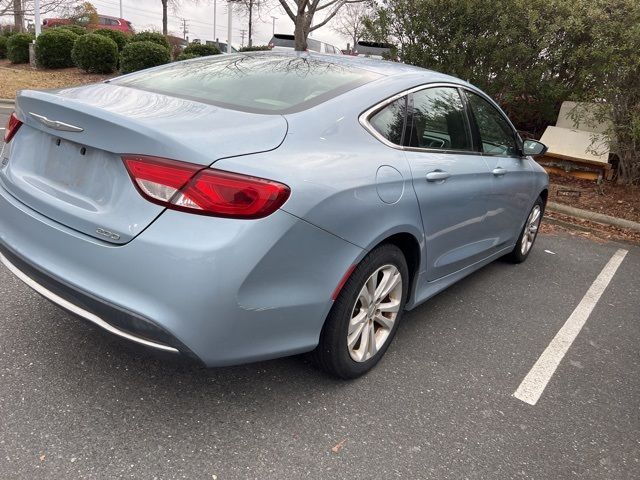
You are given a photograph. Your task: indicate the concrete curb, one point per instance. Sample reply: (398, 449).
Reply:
(7, 101)
(583, 228)
(593, 216)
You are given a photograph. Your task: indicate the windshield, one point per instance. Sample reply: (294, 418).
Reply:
(268, 83)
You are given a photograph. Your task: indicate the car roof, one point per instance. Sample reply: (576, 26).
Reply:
(381, 67)
(109, 16)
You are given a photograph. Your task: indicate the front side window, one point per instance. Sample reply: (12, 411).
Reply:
(390, 121)
(496, 134)
(438, 120)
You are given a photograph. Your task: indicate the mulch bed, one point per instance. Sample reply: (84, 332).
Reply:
(620, 201)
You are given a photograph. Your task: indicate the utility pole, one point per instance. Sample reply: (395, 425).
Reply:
(273, 32)
(242, 34)
(215, 6)
(229, 25)
(185, 28)
(251, 3)
(121, 9)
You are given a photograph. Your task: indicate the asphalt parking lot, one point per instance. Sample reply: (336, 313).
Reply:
(76, 403)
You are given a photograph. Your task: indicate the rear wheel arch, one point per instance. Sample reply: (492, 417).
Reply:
(410, 247)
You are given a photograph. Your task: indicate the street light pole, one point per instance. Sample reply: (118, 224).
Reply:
(37, 16)
(229, 25)
(121, 9)
(215, 5)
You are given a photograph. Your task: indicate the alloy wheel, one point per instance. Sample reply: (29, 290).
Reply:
(530, 230)
(374, 313)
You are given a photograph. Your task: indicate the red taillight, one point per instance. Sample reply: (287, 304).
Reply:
(206, 191)
(12, 127)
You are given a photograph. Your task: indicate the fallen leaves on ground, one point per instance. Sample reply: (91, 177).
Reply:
(595, 231)
(339, 446)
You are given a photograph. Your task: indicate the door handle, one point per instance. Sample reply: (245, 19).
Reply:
(437, 176)
(499, 171)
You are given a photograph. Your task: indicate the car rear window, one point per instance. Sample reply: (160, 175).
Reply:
(256, 83)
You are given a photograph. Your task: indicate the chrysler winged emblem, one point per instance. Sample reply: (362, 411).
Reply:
(55, 124)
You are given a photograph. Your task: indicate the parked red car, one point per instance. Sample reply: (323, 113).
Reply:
(104, 21)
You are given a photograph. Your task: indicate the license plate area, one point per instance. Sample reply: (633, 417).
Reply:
(82, 187)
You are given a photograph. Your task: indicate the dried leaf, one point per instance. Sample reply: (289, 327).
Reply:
(339, 446)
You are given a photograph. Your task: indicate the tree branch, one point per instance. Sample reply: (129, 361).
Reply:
(327, 18)
(344, 2)
(287, 9)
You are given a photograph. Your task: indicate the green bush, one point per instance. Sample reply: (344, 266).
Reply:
(255, 48)
(95, 53)
(3, 47)
(116, 35)
(77, 29)
(140, 55)
(199, 50)
(53, 48)
(6, 30)
(186, 56)
(18, 47)
(154, 37)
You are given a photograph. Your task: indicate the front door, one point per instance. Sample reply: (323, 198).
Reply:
(512, 182)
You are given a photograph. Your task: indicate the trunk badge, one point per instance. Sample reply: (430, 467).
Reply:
(55, 124)
(108, 234)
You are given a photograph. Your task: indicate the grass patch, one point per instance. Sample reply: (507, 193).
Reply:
(18, 77)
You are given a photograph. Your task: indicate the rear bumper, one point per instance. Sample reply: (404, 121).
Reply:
(114, 320)
(220, 290)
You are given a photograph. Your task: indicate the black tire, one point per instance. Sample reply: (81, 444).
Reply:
(332, 354)
(516, 255)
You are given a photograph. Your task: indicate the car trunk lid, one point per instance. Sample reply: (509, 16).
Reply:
(65, 161)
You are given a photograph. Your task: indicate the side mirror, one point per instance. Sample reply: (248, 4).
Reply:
(533, 148)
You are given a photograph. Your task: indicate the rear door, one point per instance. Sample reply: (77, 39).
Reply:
(451, 180)
(512, 182)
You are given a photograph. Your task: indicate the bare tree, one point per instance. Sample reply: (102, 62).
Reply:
(303, 11)
(174, 5)
(250, 9)
(165, 7)
(20, 8)
(350, 22)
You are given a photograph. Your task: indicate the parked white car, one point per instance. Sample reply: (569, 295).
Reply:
(282, 41)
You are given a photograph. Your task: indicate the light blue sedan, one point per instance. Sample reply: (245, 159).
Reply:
(243, 207)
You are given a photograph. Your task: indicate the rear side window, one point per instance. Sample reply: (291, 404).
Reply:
(253, 83)
(390, 122)
(495, 133)
(438, 120)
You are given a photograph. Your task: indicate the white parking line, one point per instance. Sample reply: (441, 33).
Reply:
(538, 377)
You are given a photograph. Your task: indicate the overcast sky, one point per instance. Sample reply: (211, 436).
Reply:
(199, 15)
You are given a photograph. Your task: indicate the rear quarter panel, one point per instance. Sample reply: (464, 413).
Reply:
(332, 165)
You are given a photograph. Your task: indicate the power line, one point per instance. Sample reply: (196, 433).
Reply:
(177, 24)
